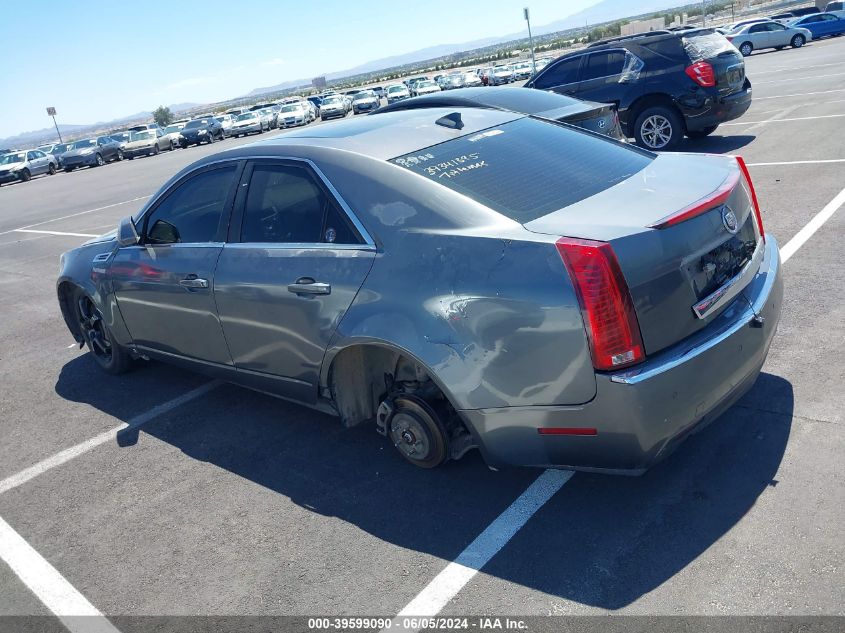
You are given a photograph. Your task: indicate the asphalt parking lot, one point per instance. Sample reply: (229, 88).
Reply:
(217, 500)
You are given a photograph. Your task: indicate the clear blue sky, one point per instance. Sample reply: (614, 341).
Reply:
(96, 60)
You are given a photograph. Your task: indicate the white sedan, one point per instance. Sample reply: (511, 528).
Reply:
(771, 34)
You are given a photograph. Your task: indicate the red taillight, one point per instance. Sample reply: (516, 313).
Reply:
(702, 74)
(605, 301)
(730, 38)
(744, 169)
(710, 201)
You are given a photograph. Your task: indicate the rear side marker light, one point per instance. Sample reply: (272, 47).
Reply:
(711, 200)
(702, 74)
(756, 205)
(605, 301)
(567, 431)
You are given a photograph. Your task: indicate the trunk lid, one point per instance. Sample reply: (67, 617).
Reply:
(683, 275)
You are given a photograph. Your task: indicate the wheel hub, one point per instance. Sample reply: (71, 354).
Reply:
(409, 435)
(657, 131)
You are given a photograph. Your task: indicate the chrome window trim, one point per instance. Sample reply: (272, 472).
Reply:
(368, 239)
(176, 245)
(731, 288)
(300, 246)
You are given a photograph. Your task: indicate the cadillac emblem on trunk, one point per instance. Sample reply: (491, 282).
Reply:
(729, 220)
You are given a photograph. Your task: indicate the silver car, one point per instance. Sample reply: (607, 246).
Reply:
(771, 34)
(248, 123)
(365, 101)
(147, 143)
(23, 165)
(293, 114)
(454, 278)
(334, 106)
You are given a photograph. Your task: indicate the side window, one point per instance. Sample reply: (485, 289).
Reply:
(191, 213)
(774, 26)
(563, 72)
(827, 18)
(604, 64)
(285, 204)
(31, 156)
(758, 28)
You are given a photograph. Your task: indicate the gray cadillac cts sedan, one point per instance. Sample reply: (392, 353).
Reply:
(461, 278)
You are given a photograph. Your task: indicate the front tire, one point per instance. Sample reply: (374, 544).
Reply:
(798, 41)
(51, 169)
(702, 133)
(658, 128)
(26, 176)
(155, 150)
(119, 155)
(100, 161)
(109, 356)
(746, 48)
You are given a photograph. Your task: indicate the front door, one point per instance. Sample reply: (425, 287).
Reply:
(164, 286)
(293, 265)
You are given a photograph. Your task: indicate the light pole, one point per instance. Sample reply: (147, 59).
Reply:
(530, 40)
(703, 13)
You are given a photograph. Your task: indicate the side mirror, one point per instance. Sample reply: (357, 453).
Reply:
(127, 234)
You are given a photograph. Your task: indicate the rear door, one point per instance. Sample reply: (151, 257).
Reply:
(600, 74)
(36, 165)
(295, 260)
(758, 35)
(164, 286)
(561, 77)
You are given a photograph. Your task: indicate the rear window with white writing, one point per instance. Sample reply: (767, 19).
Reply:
(527, 168)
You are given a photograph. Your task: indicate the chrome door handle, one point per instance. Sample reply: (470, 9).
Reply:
(307, 286)
(193, 282)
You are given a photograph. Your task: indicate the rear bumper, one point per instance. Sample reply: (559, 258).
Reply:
(705, 111)
(132, 153)
(643, 413)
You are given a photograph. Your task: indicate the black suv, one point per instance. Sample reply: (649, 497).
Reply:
(665, 85)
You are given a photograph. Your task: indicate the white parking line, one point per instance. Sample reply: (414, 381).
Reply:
(800, 238)
(787, 68)
(799, 162)
(778, 81)
(73, 215)
(56, 233)
(800, 118)
(451, 580)
(57, 594)
(68, 454)
(802, 94)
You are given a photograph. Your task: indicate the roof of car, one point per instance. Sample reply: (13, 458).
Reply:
(393, 133)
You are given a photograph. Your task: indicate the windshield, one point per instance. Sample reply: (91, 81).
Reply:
(246, 116)
(502, 69)
(141, 136)
(368, 94)
(331, 100)
(527, 168)
(293, 107)
(396, 89)
(428, 84)
(12, 158)
(170, 129)
(196, 123)
(89, 142)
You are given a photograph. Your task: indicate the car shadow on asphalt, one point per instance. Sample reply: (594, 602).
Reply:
(716, 143)
(602, 541)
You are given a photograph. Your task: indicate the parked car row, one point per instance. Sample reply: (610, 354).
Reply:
(793, 29)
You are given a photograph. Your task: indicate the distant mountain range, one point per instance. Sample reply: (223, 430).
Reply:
(48, 134)
(603, 11)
